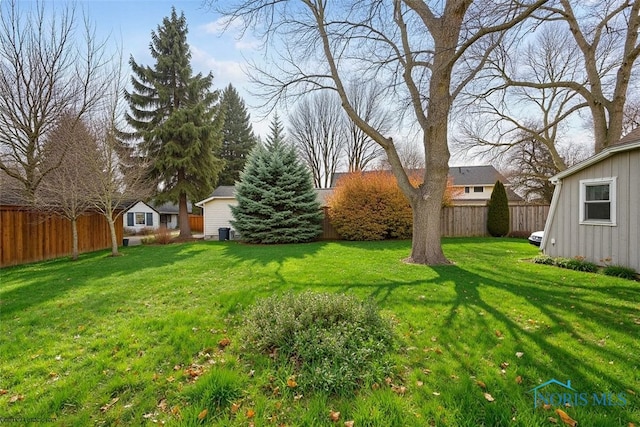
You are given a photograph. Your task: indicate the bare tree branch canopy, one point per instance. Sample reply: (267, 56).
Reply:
(48, 71)
(603, 36)
(66, 191)
(369, 103)
(316, 130)
(425, 52)
(117, 177)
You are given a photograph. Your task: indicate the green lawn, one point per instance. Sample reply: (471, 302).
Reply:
(134, 339)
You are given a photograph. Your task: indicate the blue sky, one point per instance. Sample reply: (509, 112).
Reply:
(223, 54)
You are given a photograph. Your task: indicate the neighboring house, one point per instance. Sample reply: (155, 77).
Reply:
(595, 211)
(169, 214)
(473, 185)
(140, 216)
(216, 209)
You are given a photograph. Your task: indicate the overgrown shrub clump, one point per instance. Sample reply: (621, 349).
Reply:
(331, 342)
(620, 271)
(370, 206)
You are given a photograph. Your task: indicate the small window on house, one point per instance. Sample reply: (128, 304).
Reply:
(467, 190)
(598, 201)
(140, 217)
(478, 189)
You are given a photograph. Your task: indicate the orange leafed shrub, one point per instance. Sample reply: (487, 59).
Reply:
(370, 206)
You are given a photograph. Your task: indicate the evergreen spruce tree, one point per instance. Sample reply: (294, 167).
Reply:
(237, 136)
(276, 199)
(498, 215)
(176, 118)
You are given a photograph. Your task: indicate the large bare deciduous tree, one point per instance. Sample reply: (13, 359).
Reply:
(49, 70)
(116, 175)
(65, 190)
(316, 129)
(426, 53)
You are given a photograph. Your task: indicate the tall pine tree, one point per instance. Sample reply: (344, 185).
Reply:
(237, 136)
(175, 116)
(276, 199)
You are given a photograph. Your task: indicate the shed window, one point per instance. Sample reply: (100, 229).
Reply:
(598, 201)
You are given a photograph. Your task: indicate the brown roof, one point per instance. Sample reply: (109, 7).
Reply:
(634, 135)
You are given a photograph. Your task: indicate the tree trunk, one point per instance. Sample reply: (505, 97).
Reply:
(114, 237)
(74, 239)
(426, 245)
(183, 217)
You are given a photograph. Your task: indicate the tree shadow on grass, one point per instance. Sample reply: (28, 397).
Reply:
(28, 286)
(484, 301)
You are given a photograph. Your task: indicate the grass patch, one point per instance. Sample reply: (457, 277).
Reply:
(155, 335)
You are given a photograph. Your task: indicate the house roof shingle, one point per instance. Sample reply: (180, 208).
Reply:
(475, 175)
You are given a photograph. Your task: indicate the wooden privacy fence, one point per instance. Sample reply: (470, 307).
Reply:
(196, 223)
(29, 236)
(470, 221)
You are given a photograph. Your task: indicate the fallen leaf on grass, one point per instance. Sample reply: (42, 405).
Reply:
(631, 392)
(498, 333)
(334, 415)
(504, 365)
(203, 414)
(250, 413)
(399, 389)
(291, 382)
(519, 379)
(546, 406)
(109, 405)
(419, 383)
(3, 392)
(552, 420)
(348, 423)
(162, 405)
(481, 384)
(566, 418)
(16, 398)
(235, 407)
(297, 397)
(519, 354)
(224, 342)
(489, 397)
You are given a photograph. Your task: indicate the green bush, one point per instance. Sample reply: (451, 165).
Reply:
(543, 259)
(578, 263)
(498, 213)
(331, 342)
(620, 271)
(562, 262)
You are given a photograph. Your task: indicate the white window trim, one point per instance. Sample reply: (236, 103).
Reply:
(612, 181)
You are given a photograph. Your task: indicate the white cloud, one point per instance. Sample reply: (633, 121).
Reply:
(224, 71)
(223, 27)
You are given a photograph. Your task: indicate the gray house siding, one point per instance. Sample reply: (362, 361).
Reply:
(566, 237)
